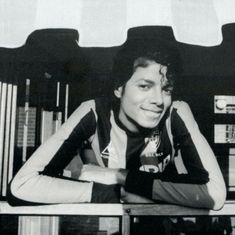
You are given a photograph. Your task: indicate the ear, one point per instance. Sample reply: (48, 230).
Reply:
(118, 92)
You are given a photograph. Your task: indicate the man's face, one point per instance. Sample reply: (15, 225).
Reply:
(145, 98)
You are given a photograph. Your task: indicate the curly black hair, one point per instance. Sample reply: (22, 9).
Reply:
(139, 52)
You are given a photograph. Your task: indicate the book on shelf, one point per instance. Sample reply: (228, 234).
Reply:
(231, 169)
(12, 132)
(8, 99)
(26, 120)
(2, 128)
(26, 125)
(31, 135)
(46, 225)
(6, 139)
(50, 122)
(46, 125)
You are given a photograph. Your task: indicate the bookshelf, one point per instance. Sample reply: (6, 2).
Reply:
(24, 125)
(34, 102)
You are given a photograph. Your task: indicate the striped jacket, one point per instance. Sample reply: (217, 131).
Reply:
(172, 163)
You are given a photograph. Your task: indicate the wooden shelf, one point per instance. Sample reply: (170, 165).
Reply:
(115, 209)
(31, 215)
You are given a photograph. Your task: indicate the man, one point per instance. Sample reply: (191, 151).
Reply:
(146, 147)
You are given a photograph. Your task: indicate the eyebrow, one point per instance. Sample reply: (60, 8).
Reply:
(146, 80)
(165, 83)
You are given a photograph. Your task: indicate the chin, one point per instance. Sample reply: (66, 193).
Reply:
(149, 126)
(149, 123)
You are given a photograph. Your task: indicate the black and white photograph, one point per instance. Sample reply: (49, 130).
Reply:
(117, 117)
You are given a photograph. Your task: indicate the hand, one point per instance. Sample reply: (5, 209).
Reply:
(99, 174)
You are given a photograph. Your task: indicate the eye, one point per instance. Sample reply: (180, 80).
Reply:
(144, 87)
(168, 90)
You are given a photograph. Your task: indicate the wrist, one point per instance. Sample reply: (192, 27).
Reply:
(102, 193)
(140, 183)
(121, 176)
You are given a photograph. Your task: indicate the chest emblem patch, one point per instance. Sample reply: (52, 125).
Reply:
(153, 160)
(109, 152)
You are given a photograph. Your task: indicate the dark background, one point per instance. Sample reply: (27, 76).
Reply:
(207, 71)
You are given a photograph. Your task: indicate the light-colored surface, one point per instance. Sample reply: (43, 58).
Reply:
(195, 22)
(173, 210)
(34, 224)
(64, 209)
(115, 209)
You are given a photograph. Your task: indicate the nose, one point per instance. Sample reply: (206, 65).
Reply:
(157, 96)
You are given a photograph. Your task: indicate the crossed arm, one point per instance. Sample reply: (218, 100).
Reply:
(200, 184)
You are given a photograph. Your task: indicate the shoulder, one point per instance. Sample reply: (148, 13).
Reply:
(97, 106)
(181, 113)
(87, 105)
(86, 108)
(181, 108)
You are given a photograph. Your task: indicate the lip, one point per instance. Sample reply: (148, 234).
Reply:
(152, 110)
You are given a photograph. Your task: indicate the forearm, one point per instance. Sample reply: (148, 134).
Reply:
(211, 194)
(45, 189)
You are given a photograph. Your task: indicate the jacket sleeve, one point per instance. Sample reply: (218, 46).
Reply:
(40, 180)
(198, 181)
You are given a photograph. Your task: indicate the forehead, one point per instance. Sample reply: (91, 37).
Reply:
(145, 62)
(150, 70)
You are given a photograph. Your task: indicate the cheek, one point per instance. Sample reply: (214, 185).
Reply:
(130, 106)
(167, 102)
(132, 99)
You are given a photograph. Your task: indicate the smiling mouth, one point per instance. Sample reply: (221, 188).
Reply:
(158, 112)
(152, 113)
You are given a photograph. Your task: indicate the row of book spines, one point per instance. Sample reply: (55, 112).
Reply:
(26, 135)
(50, 122)
(38, 225)
(48, 94)
(30, 127)
(8, 101)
